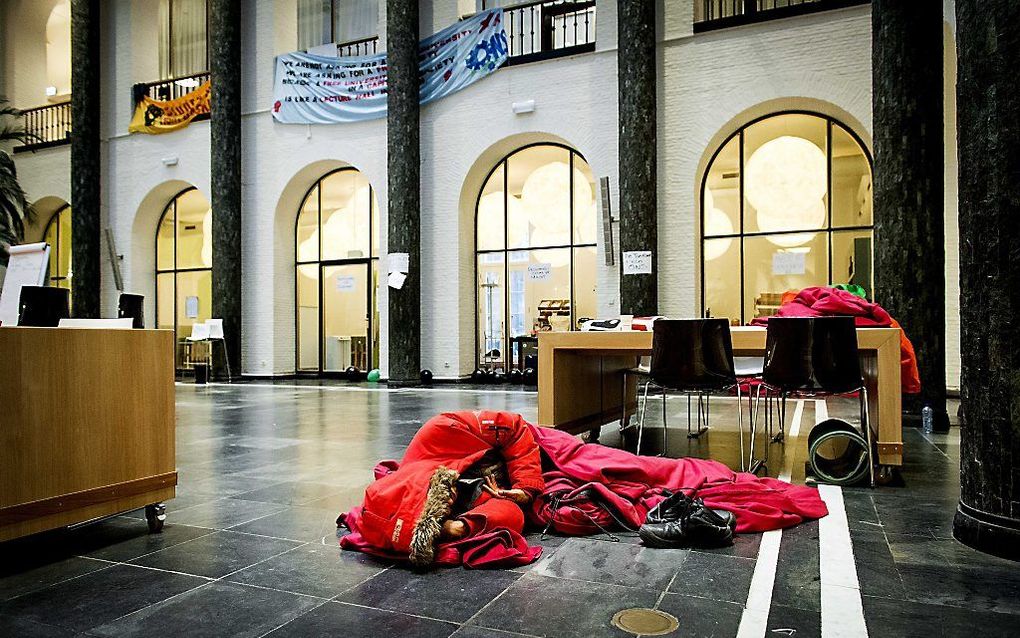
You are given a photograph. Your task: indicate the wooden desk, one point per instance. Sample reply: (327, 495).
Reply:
(86, 425)
(579, 385)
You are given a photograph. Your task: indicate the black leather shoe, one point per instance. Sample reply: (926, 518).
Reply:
(676, 504)
(696, 526)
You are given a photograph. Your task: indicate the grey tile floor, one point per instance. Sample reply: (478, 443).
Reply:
(250, 546)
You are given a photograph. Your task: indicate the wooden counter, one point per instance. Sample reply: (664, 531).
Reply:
(579, 386)
(86, 425)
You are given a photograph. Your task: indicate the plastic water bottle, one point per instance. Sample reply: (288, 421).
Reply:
(927, 419)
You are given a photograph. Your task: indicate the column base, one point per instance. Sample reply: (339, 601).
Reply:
(988, 533)
(403, 383)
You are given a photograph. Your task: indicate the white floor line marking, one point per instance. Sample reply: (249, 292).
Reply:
(842, 607)
(821, 410)
(754, 622)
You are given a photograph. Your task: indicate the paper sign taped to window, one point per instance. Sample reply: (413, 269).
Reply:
(540, 272)
(346, 283)
(786, 263)
(637, 262)
(191, 307)
(396, 280)
(399, 262)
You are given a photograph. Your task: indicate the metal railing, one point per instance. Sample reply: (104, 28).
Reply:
(710, 14)
(540, 30)
(45, 126)
(169, 89)
(358, 48)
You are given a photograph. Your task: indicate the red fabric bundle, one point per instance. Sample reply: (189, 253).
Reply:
(821, 301)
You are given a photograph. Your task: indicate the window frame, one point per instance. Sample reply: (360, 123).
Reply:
(503, 164)
(740, 235)
(157, 271)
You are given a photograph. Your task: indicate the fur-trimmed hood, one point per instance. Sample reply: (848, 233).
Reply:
(428, 527)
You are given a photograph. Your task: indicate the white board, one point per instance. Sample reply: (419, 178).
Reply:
(28, 266)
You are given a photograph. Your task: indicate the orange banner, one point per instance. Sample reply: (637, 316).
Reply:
(155, 116)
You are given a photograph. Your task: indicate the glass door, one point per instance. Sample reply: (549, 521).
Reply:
(345, 316)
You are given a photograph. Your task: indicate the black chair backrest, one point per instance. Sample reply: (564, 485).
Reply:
(133, 306)
(43, 306)
(692, 354)
(812, 354)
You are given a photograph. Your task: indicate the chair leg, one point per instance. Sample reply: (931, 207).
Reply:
(740, 425)
(623, 403)
(665, 426)
(641, 419)
(778, 438)
(866, 426)
(702, 416)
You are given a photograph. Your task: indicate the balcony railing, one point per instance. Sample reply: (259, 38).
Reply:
(170, 89)
(46, 126)
(542, 30)
(718, 14)
(358, 48)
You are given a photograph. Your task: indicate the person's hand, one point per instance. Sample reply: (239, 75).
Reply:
(517, 496)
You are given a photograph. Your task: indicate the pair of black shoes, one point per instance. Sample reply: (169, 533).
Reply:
(682, 521)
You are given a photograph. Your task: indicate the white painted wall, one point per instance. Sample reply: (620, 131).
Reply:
(709, 84)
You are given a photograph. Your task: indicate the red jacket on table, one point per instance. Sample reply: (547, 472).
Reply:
(404, 510)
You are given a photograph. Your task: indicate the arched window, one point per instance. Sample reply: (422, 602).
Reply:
(786, 204)
(337, 249)
(536, 250)
(58, 236)
(184, 263)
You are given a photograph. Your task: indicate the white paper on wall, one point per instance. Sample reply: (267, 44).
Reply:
(540, 272)
(398, 262)
(396, 280)
(191, 307)
(787, 263)
(346, 283)
(637, 262)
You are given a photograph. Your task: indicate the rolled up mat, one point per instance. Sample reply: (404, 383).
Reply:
(838, 453)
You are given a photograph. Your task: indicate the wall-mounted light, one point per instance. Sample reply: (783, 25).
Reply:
(527, 106)
(170, 161)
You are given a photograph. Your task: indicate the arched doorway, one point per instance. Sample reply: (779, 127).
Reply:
(337, 244)
(786, 203)
(535, 245)
(58, 235)
(184, 264)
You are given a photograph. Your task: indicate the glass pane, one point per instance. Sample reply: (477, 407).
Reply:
(586, 300)
(490, 307)
(313, 17)
(165, 309)
(538, 206)
(852, 259)
(308, 228)
(773, 264)
(187, 37)
(165, 240)
(375, 226)
(785, 174)
(851, 181)
(345, 214)
(376, 324)
(539, 291)
(586, 224)
(64, 266)
(345, 317)
(722, 278)
(721, 199)
(490, 224)
(194, 231)
(308, 316)
(194, 300)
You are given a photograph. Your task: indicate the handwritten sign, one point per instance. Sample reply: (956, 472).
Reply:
(637, 262)
(346, 283)
(540, 272)
(398, 262)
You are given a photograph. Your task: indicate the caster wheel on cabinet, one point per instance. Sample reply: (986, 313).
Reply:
(155, 515)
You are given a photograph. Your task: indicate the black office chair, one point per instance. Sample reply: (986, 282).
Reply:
(810, 357)
(43, 306)
(132, 306)
(694, 356)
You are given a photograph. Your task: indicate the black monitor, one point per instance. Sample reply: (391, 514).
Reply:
(132, 305)
(43, 306)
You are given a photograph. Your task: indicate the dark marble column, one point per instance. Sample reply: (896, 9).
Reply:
(636, 61)
(86, 176)
(907, 105)
(225, 149)
(403, 185)
(988, 130)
